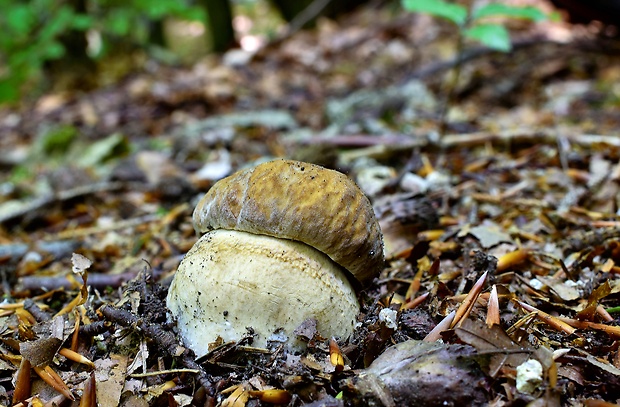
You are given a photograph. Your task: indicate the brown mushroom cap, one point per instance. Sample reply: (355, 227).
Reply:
(299, 201)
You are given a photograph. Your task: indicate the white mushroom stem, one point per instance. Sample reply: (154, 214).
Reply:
(231, 280)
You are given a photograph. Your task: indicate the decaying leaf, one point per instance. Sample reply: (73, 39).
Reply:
(110, 375)
(420, 373)
(490, 234)
(493, 342)
(40, 352)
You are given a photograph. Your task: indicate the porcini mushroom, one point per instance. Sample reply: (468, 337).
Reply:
(281, 241)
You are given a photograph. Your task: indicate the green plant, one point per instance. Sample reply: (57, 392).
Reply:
(473, 24)
(33, 31)
(30, 37)
(132, 20)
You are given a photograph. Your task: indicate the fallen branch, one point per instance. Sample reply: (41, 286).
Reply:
(96, 280)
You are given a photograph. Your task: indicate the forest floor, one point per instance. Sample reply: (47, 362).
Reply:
(510, 217)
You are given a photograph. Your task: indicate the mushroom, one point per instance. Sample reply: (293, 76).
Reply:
(281, 241)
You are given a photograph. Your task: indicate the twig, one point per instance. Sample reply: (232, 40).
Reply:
(367, 140)
(95, 328)
(527, 136)
(449, 141)
(164, 339)
(38, 203)
(37, 313)
(471, 54)
(57, 248)
(301, 19)
(550, 320)
(97, 280)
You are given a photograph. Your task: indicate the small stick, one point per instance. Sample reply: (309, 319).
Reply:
(97, 280)
(36, 311)
(553, 322)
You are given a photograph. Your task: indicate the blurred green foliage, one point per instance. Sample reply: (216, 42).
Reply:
(33, 32)
(473, 23)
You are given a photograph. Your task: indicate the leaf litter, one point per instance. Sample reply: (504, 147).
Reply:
(502, 236)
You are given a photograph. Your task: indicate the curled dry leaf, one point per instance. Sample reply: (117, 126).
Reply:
(80, 263)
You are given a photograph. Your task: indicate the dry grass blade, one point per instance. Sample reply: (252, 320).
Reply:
(50, 377)
(522, 322)
(76, 331)
(25, 317)
(414, 287)
(511, 259)
(493, 308)
(468, 303)
(431, 234)
(608, 329)
(71, 306)
(335, 356)
(238, 398)
(552, 321)
(415, 302)
(444, 325)
(12, 306)
(6, 313)
(22, 382)
(602, 312)
(272, 396)
(89, 396)
(76, 357)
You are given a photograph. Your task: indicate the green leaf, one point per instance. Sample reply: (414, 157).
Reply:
(82, 22)
(26, 57)
(498, 9)
(113, 146)
(57, 140)
(19, 20)
(119, 22)
(555, 16)
(9, 89)
(492, 35)
(438, 8)
(53, 50)
(61, 19)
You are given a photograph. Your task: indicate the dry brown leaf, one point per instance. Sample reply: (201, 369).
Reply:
(110, 376)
